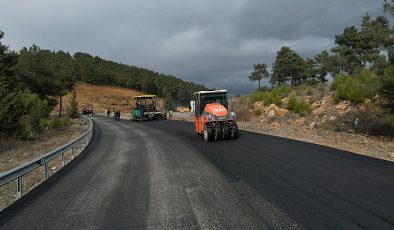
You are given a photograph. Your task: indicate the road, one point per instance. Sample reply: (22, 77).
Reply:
(160, 175)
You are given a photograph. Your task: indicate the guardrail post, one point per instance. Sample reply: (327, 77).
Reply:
(62, 159)
(18, 187)
(46, 174)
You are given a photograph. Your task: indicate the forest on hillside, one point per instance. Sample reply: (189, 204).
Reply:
(48, 72)
(34, 80)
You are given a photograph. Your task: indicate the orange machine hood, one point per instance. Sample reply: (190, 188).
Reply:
(216, 109)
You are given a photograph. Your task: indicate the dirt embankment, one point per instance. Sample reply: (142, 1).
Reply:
(104, 97)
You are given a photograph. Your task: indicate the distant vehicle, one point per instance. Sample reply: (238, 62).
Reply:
(87, 109)
(211, 116)
(146, 104)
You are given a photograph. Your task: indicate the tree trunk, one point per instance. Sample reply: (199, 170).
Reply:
(259, 84)
(60, 105)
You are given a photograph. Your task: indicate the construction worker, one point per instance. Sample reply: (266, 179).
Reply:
(118, 115)
(141, 110)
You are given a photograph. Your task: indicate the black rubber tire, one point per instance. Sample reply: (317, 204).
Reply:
(234, 132)
(218, 135)
(207, 133)
(226, 132)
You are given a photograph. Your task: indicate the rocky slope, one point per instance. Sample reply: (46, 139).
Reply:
(317, 127)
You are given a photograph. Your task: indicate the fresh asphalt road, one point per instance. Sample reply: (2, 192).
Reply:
(160, 175)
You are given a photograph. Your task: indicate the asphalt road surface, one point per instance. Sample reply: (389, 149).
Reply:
(160, 175)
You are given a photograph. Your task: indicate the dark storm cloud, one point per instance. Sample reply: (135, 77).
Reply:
(210, 42)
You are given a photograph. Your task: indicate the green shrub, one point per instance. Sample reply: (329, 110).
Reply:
(292, 103)
(257, 112)
(354, 88)
(55, 122)
(276, 99)
(257, 96)
(387, 121)
(338, 80)
(26, 127)
(355, 95)
(34, 110)
(303, 108)
(282, 90)
(375, 122)
(266, 97)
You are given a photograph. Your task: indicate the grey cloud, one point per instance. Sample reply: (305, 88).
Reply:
(210, 42)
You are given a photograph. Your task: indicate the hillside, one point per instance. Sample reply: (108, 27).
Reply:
(311, 114)
(104, 97)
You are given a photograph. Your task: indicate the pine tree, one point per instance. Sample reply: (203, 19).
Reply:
(288, 66)
(260, 71)
(73, 109)
(11, 109)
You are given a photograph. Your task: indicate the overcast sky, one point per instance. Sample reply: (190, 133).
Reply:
(214, 42)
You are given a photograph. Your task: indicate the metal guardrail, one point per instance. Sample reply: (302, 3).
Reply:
(17, 173)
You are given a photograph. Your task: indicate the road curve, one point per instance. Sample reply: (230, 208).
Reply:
(160, 175)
